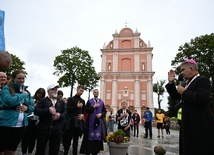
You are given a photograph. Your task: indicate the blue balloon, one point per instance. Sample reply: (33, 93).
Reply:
(2, 39)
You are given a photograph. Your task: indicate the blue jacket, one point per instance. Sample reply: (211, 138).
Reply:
(148, 115)
(8, 104)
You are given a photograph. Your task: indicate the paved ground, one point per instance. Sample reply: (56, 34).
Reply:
(142, 146)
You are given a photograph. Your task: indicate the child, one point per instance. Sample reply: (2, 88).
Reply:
(167, 126)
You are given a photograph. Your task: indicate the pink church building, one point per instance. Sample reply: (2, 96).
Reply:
(126, 72)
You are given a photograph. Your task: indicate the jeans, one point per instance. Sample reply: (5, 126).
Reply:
(111, 125)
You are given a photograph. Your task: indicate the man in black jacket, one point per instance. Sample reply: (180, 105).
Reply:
(51, 112)
(197, 119)
(75, 122)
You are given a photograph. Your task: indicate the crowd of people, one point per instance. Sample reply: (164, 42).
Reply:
(42, 122)
(47, 121)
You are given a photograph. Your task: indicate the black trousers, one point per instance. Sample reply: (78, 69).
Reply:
(148, 129)
(10, 138)
(167, 130)
(71, 134)
(180, 138)
(136, 130)
(29, 139)
(54, 143)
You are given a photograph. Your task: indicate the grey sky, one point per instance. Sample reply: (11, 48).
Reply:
(37, 30)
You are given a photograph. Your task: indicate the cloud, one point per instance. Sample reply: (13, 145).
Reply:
(37, 31)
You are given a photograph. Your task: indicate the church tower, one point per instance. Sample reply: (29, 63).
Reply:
(126, 72)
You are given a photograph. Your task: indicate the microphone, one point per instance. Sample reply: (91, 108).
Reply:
(180, 77)
(181, 80)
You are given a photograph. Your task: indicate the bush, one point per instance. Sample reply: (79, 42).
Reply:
(118, 136)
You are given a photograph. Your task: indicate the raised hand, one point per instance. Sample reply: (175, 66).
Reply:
(171, 76)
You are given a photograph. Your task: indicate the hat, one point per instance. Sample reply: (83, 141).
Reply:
(191, 61)
(52, 86)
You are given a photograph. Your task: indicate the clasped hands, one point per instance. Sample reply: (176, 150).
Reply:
(55, 115)
(22, 108)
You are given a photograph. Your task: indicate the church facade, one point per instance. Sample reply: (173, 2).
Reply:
(126, 72)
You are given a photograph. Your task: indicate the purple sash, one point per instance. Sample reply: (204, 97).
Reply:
(95, 133)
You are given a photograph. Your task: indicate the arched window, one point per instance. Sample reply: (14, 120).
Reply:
(143, 66)
(111, 45)
(109, 66)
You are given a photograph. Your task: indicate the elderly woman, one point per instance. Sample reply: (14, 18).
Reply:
(123, 117)
(15, 103)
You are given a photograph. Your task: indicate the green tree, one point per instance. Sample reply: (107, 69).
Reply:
(200, 49)
(75, 66)
(90, 79)
(17, 64)
(158, 88)
(93, 79)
